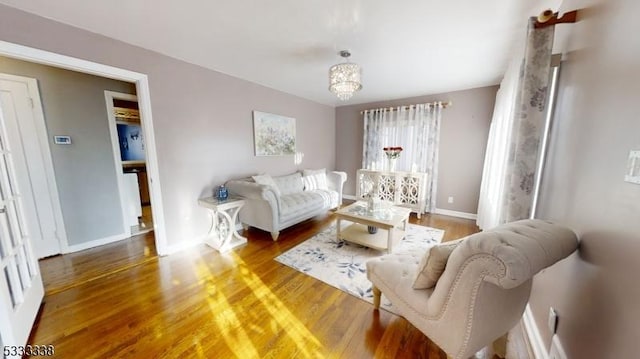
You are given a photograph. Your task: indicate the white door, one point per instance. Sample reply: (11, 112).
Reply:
(21, 289)
(26, 131)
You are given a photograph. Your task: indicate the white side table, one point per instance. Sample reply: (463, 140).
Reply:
(223, 235)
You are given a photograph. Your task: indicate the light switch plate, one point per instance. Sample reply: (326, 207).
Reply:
(633, 167)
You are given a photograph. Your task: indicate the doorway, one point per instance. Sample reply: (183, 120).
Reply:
(143, 96)
(128, 144)
(14, 331)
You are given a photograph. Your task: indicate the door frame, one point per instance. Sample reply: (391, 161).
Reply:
(47, 159)
(30, 54)
(113, 132)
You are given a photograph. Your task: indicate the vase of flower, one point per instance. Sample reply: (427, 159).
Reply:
(391, 167)
(392, 153)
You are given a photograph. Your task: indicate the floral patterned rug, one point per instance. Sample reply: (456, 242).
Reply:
(343, 265)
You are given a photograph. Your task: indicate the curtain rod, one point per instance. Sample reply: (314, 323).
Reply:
(407, 107)
(550, 18)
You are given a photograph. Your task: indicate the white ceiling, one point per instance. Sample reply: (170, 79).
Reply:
(406, 47)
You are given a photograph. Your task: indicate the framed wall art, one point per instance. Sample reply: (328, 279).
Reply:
(273, 135)
(131, 143)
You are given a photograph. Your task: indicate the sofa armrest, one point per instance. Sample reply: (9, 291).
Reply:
(254, 191)
(335, 182)
(262, 206)
(336, 179)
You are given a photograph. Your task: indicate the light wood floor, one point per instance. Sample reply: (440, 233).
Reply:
(121, 300)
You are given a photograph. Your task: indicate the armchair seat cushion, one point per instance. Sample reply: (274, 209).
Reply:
(394, 276)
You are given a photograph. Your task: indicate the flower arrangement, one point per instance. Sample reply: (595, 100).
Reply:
(392, 152)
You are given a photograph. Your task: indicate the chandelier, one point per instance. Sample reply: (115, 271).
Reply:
(344, 78)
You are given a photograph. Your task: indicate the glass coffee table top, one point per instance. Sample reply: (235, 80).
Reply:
(386, 212)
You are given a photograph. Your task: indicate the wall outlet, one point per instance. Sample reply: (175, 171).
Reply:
(450, 199)
(553, 320)
(557, 351)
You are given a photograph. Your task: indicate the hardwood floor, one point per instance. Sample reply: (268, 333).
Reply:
(123, 301)
(63, 272)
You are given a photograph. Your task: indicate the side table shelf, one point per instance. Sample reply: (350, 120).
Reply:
(224, 214)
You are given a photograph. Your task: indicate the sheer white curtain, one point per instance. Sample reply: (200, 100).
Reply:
(516, 129)
(416, 129)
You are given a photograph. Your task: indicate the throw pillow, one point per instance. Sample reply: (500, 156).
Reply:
(267, 180)
(315, 179)
(433, 264)
(313, 182)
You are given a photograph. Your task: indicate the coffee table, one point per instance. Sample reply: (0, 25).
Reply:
(387, 219)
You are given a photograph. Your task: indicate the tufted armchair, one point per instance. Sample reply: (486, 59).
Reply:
(484, 288)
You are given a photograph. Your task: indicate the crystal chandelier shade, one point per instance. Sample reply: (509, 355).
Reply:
(344, 78)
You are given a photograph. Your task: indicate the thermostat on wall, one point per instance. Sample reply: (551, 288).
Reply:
(62, 140)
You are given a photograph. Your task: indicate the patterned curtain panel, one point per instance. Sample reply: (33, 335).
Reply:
(517, 126)
(417, 130)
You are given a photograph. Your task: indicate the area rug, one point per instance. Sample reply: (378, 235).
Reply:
(343, 265)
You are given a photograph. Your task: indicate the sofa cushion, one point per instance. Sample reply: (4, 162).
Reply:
(289, 184)
(433, 263)
(317, 181)
(299, 204)
(266, 180)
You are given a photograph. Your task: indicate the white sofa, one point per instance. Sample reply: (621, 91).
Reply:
(274, 208)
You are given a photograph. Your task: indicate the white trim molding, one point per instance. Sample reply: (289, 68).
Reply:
(184, 245)
(533, 335)
(30, 54)
(349, 196)
(109, 96)
(448, 212)
(94, 243)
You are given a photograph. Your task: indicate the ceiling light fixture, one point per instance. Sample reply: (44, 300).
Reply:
(344, 78)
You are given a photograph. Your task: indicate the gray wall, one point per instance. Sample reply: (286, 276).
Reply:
(463, 140)
(74, 105)
(596, 291)
(202, 118)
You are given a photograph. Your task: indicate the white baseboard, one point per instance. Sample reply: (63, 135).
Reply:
(533, 335)
(97, 242)
(349, 196)
(447, 212)
(179, 247)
